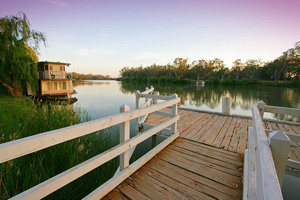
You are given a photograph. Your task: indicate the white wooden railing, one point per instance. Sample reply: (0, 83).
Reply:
(277, 110)
(24, 146)
(266, 158)
(286, 111)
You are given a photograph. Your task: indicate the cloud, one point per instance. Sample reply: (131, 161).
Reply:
(58, 3)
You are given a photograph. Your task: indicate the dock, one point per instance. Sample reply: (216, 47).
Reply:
(204, 162)
(204, 155)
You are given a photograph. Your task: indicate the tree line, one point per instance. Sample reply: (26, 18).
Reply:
(284, 68)
(78, 76)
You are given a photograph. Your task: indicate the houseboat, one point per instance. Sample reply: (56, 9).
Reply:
(54, 81)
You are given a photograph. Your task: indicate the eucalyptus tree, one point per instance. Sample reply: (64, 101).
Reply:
(18, 53)
(237, 67)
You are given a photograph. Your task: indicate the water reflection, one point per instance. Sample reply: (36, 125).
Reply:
(90, 83)
(209, 97)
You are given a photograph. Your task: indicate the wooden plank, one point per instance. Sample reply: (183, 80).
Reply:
(178, 186)
(267, 182)
(252, 184)
(24, 146)
(200, 132)
(116, 180)
(155, 119)
(188, 122)
(166, 114)
(228, 135)
(192, 130)
(206, 156)
(188, 155)
(211, 173)
(130, 192)
(169, 192)
(235, 136)
(144, 188)
(115, 194)
(296, 129)
(147, 91)
(47, 187)
(293, 164)
(268, 125)
(288, 128)
(274, 126)
(156, 96)
(221, 135)
(243, 137)
(204, 147)
(147, 103)
(246, 176)
(165, 131)
(158, 168)
(282, 110)
(210, 136)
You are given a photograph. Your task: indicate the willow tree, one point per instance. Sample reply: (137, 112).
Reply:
(18, 53)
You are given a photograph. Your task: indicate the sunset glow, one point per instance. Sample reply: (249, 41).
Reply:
(101, 37)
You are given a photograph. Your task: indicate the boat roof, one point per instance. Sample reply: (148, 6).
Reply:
(49, 62)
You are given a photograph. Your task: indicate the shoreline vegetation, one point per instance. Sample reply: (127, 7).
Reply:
(210, 81)
(283, 71)
(25, 118)
(78, 76)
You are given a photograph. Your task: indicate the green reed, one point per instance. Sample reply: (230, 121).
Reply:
(19, 118)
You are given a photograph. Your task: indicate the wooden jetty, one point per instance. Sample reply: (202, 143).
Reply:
(205, 162)
(205, 155)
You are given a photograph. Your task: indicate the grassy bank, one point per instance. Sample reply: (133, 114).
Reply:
(19, 118)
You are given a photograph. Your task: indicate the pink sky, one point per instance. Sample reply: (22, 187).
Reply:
(103, 36)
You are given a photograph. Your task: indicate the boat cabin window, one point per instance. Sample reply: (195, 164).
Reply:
(51, 68)
(46, 67)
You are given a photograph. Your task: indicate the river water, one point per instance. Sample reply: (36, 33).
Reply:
(104, 98)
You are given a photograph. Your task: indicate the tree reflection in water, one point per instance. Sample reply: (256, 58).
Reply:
(242, 97)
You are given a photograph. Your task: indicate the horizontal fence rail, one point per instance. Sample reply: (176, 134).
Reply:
(21, 147)
(277, 110)
(24, 146)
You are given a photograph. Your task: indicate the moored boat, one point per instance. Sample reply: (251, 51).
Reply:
(54, 82)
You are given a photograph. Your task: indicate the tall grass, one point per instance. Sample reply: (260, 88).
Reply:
(20, 117)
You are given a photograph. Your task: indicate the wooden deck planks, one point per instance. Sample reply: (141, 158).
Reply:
(205, 162)
(185, 170)
(229, 133)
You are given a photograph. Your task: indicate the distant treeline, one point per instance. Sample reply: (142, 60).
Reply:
(284, 68)
(78, 76)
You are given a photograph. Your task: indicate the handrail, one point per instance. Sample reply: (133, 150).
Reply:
(68, 176)
(24, 146)
(277, 109)
(265, 183)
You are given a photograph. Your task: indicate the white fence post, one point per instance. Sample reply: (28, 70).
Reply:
(174, 113)
(261, 107)
(124, 135)
(137, 106)
(146, 89)
(155, 137)
(280, 145)
(226, 105)
(155, 101)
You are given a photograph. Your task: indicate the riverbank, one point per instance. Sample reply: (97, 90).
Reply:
(20, 117)
(210, 81)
